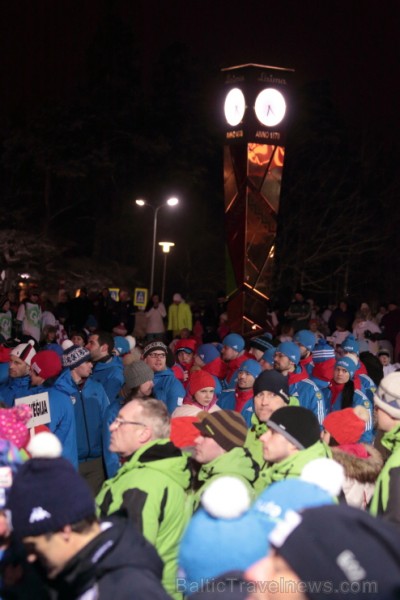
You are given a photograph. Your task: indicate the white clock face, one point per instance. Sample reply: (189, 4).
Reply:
(234, 106)
(270, 107)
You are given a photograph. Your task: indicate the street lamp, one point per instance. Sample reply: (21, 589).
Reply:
(166, 247)
(170, 202)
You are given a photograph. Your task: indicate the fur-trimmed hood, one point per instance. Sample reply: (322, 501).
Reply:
(364, 470)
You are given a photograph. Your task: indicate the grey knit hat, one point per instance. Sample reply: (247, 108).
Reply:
(137, 373)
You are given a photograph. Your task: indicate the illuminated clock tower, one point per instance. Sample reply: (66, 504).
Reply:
(255, 107)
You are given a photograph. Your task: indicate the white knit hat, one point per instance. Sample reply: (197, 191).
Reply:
(387, 396)
(24, 351)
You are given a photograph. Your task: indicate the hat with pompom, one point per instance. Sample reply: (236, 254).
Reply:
(121, 345)
(13, 425)
(25, 351)
(74, 356)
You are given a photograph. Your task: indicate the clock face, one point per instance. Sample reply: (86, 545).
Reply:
(234, 106)
(270, 107)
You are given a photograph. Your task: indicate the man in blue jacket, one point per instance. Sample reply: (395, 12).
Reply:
(90, 403)
(166, 386)
(18, 382)
(108, 369)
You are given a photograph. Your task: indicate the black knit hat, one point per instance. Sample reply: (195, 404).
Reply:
(153, 347)
(272, 381)
(357, 554)
(297, 424)
(227, 427)
(46, 495)
(263, 342)
(75, 356)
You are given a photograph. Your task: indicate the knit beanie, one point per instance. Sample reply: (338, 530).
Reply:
(272, 381)
(153, 347)
(322, 352)
(297, 424)
(25, 352)
(343, 546)
(208, 353)
(75, 356)
(269, 356)
(345, 426)
(306, 338)
(137, 373)
(387, 396)
(234, 341)
(227, 427)
(13, 425)
(121, 345)
(199, 380)
(46, 364)
(347, 363)
(46, 495)
(251, 366)
(350, 344)
(291, 350)
(188, 346)
(263, 342)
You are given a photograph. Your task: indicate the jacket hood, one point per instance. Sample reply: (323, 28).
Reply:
(111, 364)
(64, 383)
(237, 461)
(163, 457)
(364, 470)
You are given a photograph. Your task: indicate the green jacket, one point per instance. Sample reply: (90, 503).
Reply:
(152, 487)
(386, 498)
(255, 432)
(238, 462)
(291, 466)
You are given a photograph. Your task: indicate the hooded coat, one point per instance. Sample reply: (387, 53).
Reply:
(386, 498)
(151, 486)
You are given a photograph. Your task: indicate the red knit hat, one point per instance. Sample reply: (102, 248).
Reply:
(200, 380)
(189, 345)
(345, 426)
(13, 425)
(46, 364)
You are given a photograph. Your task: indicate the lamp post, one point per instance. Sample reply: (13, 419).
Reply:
(170, 202)
(166, 247)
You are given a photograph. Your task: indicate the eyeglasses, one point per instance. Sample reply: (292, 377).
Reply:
(120, 421)
(157, 355)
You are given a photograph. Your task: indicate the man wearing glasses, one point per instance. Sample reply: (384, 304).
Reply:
(152, 483)
(166, 386)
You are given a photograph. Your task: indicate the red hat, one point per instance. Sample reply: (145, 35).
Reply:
(200, 380)
(188, 346)
(345, 426)
(183, 432)
(13, 425)
(46, 364)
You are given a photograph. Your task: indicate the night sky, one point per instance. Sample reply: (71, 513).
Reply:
(354, 44)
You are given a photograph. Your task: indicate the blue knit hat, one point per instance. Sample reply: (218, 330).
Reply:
(121, 345)
(234, 341)
(306, 338)
(268, 356)
(208, 352)
(46, 495)
(347, 363)
(291, 350)
(251, 366)
(350, 344)
(322, 352)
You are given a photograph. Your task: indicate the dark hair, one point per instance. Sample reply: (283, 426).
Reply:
(105, 337)
(348, 393)
(82, 526)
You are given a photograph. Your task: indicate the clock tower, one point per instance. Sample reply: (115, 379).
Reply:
(255, 112)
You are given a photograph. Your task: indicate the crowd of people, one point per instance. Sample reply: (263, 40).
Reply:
(180, 459)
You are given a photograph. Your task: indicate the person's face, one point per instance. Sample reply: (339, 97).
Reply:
(276, 447)
(51, 336)
(84, 370)
(228, 353)
(206, 449)
(156, 360)
(384, 360)
(198, 361)
(6, 306)
(96, 351)
(51, 551)
(281, 362)
(126, 438)
(341, 375)
(384, 422)
(34, 298)
(256, 353)
(17, 367)
(204, 396)
(35, 378)
(265, 365)
(123, 296)
(184, 358)
(245, 380)
(146, 388)
(343, 306)
(156, 300)
(272, 573)
(303, 350)
(78, 341)
(265, 403)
